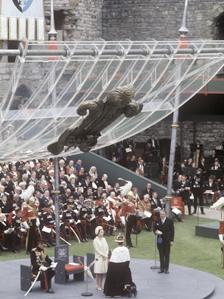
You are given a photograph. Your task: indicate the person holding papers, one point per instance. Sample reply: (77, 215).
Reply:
(164, 230)
(156, 206)
(144, 211)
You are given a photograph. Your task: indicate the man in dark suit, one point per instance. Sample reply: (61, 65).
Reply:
(197, 191)
(164, 229)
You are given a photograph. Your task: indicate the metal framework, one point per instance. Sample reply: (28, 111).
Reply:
(142, 48)
(31, 119)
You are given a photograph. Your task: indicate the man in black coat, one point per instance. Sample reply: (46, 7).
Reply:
(164, 230)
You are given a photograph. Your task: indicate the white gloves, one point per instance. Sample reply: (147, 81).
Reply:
(158, 232)
(37, 222)
(26, 225)
(53, 265)
(221, 239)
(42, 268)
(9, 230)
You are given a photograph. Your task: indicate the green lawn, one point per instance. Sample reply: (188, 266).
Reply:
(188, 250)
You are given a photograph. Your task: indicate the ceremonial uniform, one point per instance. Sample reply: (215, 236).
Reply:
(104, 218)
(71, 223)
(30, 222)
(41, 262)
(210, 191)
(86, 214)
(184, 189)
(47, 220)
(144, 208)
(221, 187)
(197, 191)
(12, 232)
(2, 229)
(129, 211)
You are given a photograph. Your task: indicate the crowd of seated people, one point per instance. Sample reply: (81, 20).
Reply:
(129, 154)
(198, 180)
(87, 199)
(144, 160)
(198, 186)
(27, 210)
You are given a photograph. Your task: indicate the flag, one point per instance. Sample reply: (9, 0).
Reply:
(21, 19)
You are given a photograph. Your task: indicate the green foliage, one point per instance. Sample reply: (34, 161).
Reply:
(188, 250)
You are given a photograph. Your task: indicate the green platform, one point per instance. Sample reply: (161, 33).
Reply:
(207, 230)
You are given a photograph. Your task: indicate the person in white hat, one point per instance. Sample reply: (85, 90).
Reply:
(101, 256)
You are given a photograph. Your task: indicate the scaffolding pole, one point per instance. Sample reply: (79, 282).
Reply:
(119, 52)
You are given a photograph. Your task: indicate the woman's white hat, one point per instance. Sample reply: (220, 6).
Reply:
(97, 229)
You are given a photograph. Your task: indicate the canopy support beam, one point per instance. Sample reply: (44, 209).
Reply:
(120, 52)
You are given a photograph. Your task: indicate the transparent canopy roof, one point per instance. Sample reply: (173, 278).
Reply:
(49, 81)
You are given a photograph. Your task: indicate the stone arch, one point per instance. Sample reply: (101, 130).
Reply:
(219, 26)
(59, 18)
(22, 94)
(216, 22)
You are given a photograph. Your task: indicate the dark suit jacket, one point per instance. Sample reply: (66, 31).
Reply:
(167, 228)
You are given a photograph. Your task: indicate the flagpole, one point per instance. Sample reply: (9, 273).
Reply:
(182, 44)
(52, 36)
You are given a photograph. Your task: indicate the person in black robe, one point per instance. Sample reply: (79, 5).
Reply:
(119, 273)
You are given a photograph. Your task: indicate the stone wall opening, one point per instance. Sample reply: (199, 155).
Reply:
(12, 44)
(219, 26)
(59, 17)
(59, 20)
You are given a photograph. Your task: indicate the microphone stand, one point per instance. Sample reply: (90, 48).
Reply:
(155, 267)
(87, 293)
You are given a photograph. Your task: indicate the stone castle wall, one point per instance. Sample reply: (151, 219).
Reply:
(136, 20)
(158, 19)
(208, 133)
(82, 19)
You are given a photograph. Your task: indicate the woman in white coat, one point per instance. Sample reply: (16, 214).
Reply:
(101, 256)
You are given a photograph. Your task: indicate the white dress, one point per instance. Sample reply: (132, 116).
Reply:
(101, 254)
